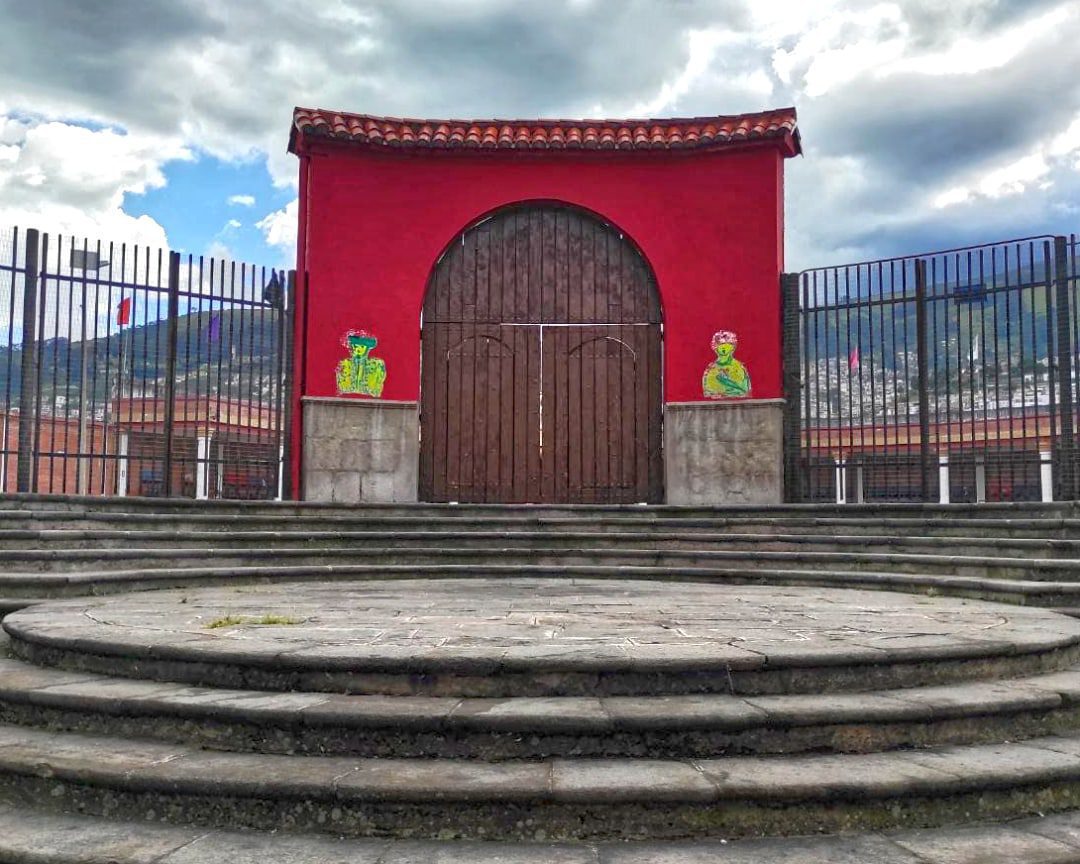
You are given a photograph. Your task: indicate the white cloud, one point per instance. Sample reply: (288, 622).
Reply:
(70, 179)
(907, 107)
(280, 227)
(1015, 177)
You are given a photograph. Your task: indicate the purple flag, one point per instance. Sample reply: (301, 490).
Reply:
(215, 327)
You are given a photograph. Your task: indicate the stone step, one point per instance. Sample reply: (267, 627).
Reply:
(560, 799)
(40, 837)
(131, 540)
(20, 589)
(75, 503)
(688, 726)
(636, 519)
(53, 560)
(538, 637)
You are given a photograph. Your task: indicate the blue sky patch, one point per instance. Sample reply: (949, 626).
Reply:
(194, 209)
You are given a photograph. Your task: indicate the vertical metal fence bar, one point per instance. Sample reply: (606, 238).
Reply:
(810, 433)
(286, 343)
(218, 267)
(28, 383)
(1051, 367)
(39, 353)
(922, 354)
(13, 271)
(792, 386)
(1064, 453)
(173, 314)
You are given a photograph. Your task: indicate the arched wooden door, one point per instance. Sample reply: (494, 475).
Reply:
(541, 365)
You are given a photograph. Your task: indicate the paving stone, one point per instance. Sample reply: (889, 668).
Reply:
(530, 714)
(433, 780)
(404, 852)
(1063, 827)
(991, 765)
(987, 845)
(975, 698)
(485, 626)
(31, 837)
(679, 712)
(796, 850)
(1066, 683)
(402, 712)
(220, 847)
(890, 706)
(628, 780)
(818, 778)
(223, 774)
(48, 752)
(16, 676)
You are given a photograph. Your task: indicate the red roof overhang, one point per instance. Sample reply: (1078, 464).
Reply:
(776, 127)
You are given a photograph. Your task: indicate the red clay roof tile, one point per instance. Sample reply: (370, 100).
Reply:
(677, 133)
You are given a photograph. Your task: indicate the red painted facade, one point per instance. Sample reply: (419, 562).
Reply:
(373, 222)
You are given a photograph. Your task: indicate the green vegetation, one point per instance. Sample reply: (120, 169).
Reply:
(224, 621)
(267, 620)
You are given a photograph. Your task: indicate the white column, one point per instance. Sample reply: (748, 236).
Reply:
(122, 464)
(980, 480)
(202, 476)
(3, 453)
(943, 479)
(841, 482)
(282, 468)
(859, 495)
(1046, 475)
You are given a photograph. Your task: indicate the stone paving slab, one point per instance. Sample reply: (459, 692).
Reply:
(29, 837)
(30, 588)
(691, 725)
(477, 626)
(140, 765)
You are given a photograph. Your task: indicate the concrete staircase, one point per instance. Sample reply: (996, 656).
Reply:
(135, 751)
(52, 546)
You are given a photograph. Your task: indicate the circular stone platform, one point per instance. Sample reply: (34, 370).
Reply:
(542, 637)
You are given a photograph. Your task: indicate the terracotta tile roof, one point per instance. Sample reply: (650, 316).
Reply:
(671, 134)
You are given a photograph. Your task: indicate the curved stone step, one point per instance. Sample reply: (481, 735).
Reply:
(563, 799)
(642, 519)
(57, 501)
(72, 560)
(697, 726)
(42, 837)
(23, 588)
(131, 540)
(543, 637)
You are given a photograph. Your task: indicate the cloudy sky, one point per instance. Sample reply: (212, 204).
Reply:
(926, 124)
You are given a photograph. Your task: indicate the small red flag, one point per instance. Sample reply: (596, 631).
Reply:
(853, 358)
(123, 311)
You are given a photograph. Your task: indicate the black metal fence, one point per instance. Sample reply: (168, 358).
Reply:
(948, 377)
(126, 370)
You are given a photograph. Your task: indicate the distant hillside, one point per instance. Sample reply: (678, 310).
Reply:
(237, 356)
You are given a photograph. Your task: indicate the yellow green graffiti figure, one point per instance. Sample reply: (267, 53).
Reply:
(360, 374)
(725, 377)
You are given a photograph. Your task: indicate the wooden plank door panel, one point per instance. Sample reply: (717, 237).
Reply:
(541, 367)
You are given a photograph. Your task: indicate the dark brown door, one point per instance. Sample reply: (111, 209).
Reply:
(541, 365)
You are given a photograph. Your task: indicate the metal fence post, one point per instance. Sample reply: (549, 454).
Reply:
(792, 386)
(29, 372)
(170, 368)
(1064, 443)
(288, 316)
(922, 354)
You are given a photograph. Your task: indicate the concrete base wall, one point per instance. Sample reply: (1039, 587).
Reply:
(727, 452)
(360, 451)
